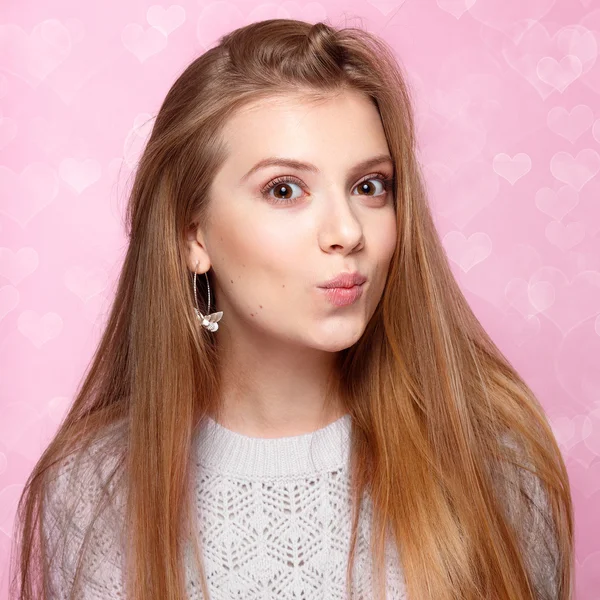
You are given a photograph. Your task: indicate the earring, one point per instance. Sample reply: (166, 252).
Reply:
(210, 320)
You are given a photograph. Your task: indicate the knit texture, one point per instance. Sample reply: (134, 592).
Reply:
(277, 517)
(274, 517)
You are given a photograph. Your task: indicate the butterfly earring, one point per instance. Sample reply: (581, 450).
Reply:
(210, 321)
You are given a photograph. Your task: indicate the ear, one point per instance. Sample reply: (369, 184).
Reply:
(198, 260)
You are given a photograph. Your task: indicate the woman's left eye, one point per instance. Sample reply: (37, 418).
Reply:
(283, 183)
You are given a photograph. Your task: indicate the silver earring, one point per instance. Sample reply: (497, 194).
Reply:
(210, 320)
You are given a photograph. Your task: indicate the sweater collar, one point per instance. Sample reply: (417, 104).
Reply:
(232, 453)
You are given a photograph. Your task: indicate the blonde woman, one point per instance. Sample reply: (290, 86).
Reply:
(292, 397)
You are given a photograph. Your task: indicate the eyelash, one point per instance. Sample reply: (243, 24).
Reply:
(387, 184)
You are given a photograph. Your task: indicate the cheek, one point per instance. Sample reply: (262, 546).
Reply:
(390, 238)
(384, 234)
(277, 247)
(251, 242)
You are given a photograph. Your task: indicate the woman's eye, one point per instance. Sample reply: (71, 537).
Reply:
(366, 186)
(283, 189)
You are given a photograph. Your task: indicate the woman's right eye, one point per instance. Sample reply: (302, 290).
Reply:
(281, 185)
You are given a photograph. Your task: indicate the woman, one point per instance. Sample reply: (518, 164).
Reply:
(274, 446)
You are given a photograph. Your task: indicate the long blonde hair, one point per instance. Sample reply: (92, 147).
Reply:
(447, 439)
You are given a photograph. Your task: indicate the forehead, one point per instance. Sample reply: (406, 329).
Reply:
(335, 130)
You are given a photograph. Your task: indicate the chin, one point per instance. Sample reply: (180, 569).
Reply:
(334, 341)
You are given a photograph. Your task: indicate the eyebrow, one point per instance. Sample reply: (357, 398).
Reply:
(272, 161)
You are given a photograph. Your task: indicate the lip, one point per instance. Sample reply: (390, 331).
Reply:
(344, 280)
(341, 296)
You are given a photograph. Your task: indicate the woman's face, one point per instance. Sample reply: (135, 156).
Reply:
(271, 244)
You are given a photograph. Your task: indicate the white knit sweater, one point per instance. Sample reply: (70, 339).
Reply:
(274, 517)
(274, 520)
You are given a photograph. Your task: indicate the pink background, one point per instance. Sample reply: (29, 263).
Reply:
(508, 112)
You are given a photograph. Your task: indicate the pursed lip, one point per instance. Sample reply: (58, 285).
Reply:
(344, 280)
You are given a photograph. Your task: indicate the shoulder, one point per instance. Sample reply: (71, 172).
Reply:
(523, 490)
(525, 499)
(84, 473)
(82, 516)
